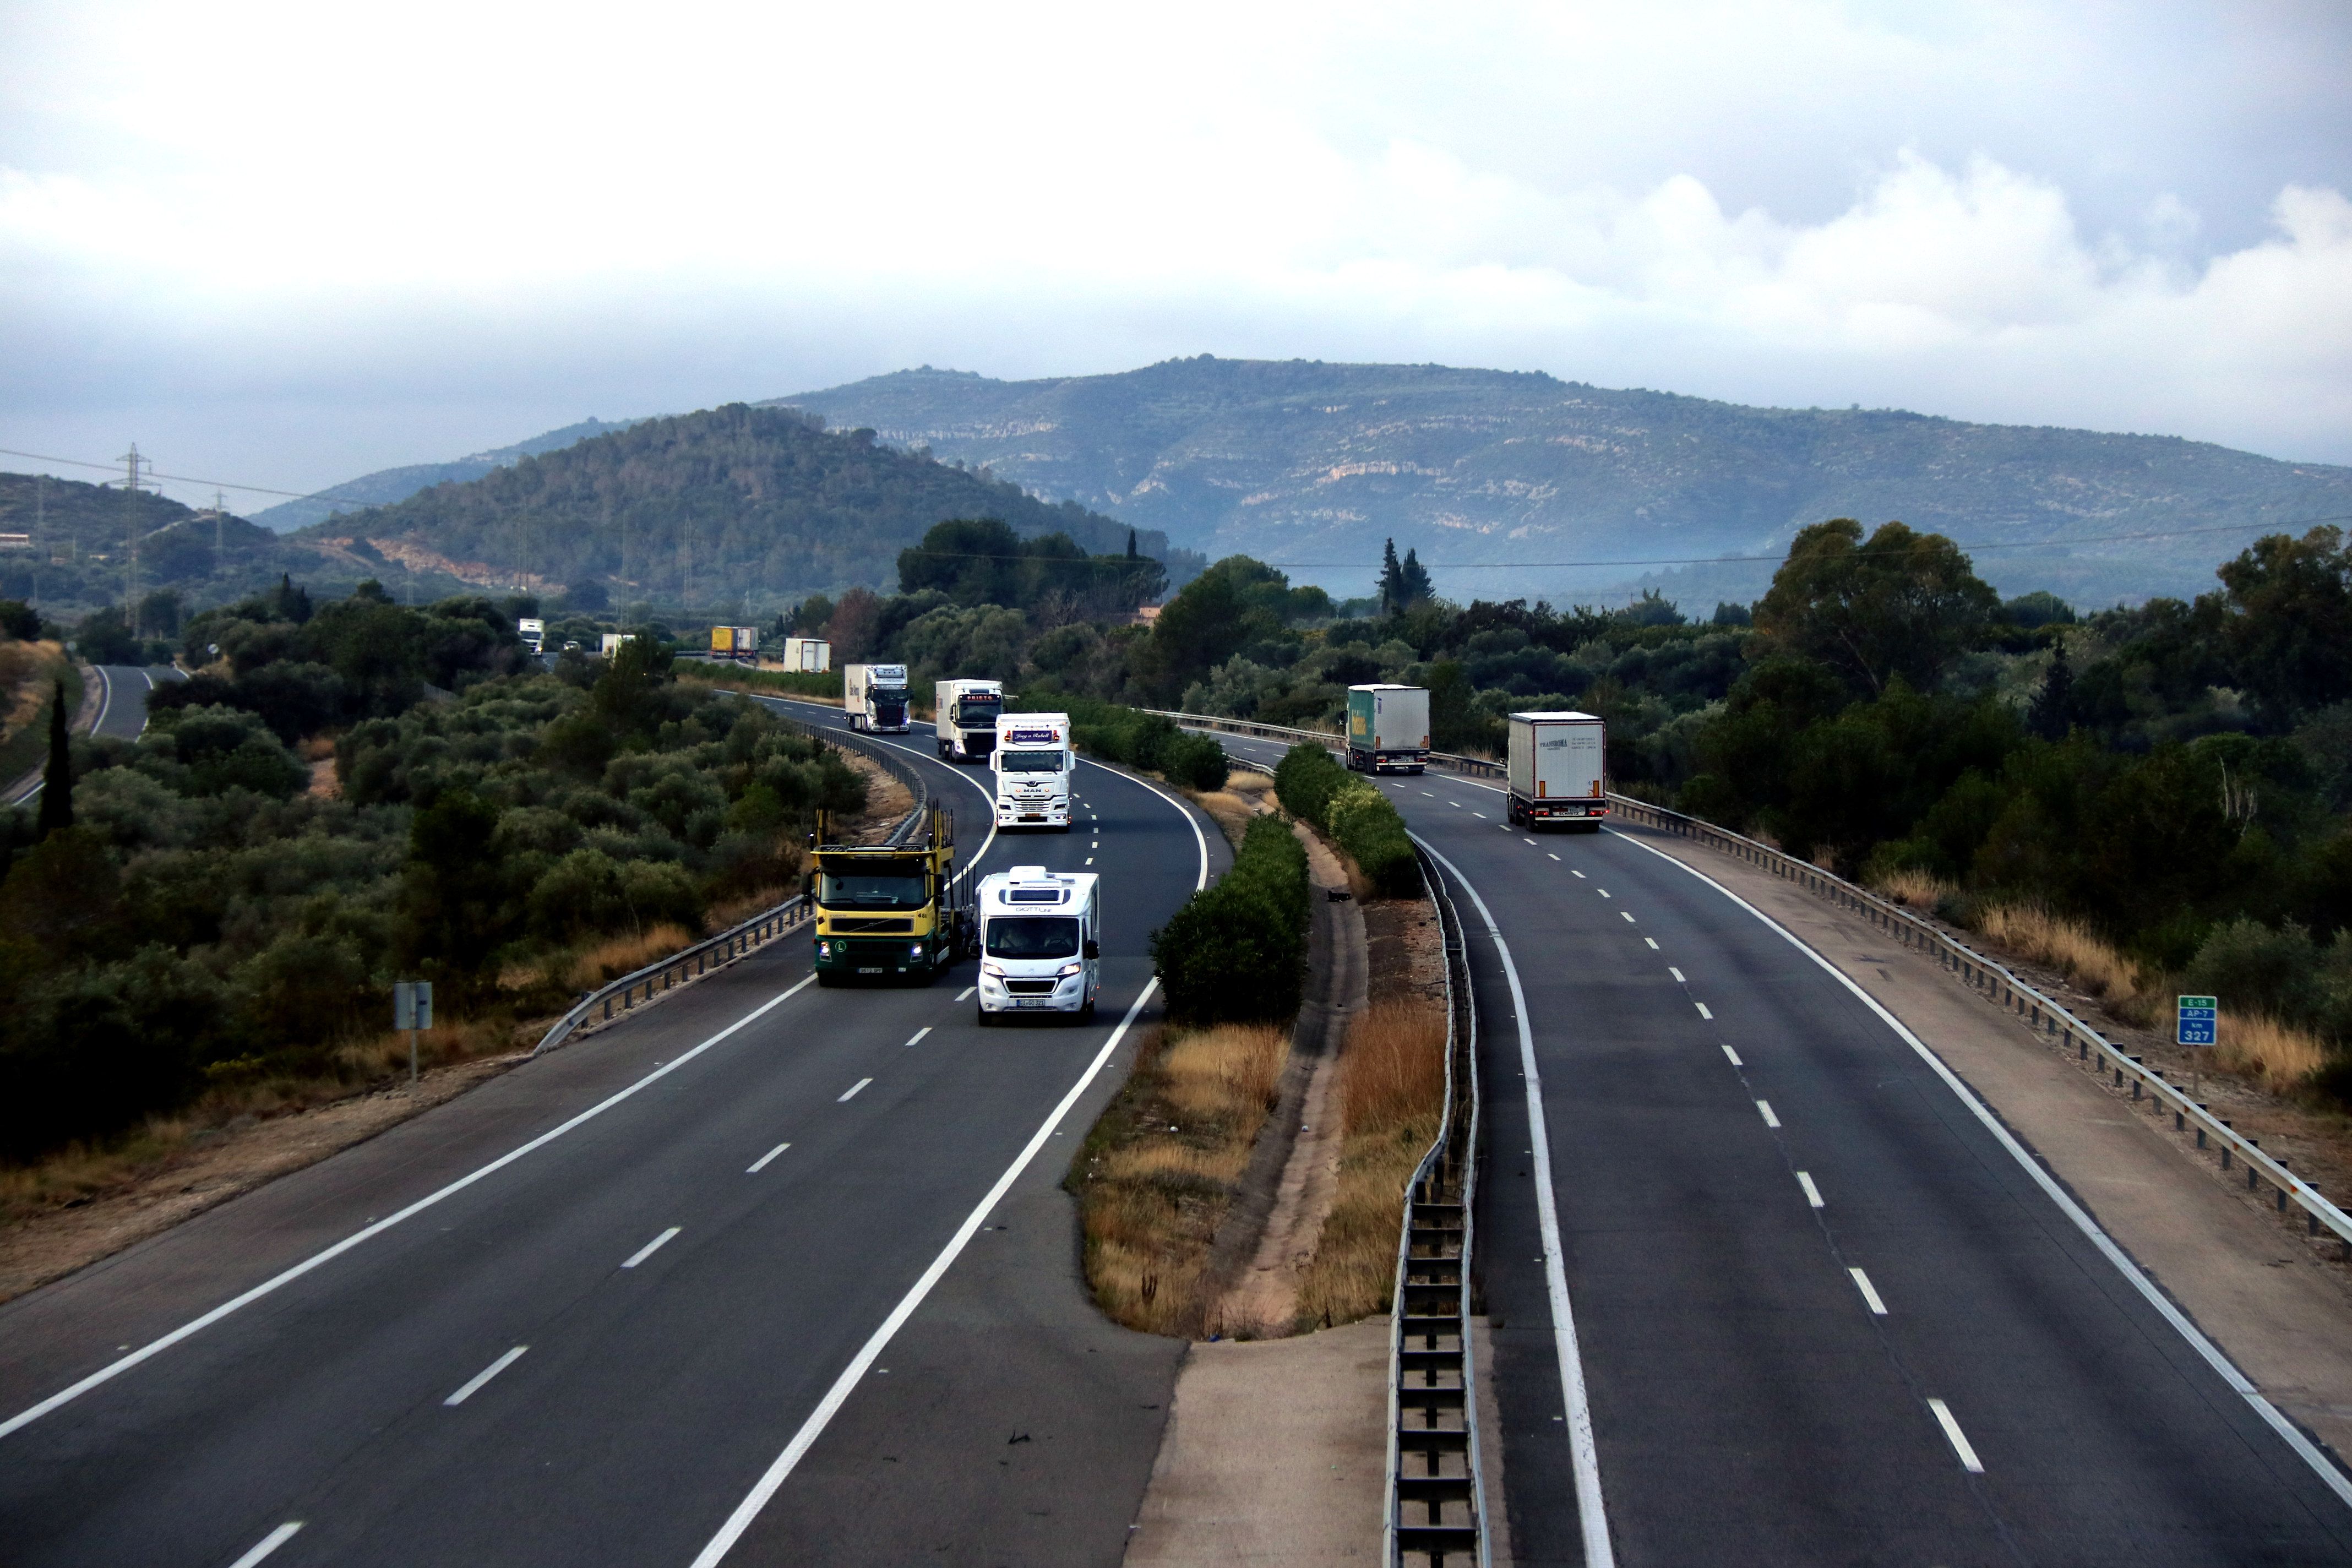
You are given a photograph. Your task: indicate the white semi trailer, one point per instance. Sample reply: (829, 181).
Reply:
(1558, 770)
(964, 715)
(1388, 727)
(874, 697)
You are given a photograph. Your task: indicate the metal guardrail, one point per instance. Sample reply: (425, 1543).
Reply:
(640, 986)
(1476, 767)
(2053, 1018)
(1436, 1509)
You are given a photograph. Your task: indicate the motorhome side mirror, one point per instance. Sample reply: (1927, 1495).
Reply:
(1093, 948)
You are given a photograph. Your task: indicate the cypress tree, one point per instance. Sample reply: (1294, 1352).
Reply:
(1391, 580)
(56, 779)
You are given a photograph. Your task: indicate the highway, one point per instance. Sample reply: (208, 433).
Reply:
(122, 692)
(765, 1273)
(1817, 1310)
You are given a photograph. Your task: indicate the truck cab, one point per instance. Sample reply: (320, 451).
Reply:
(888, 912)
(1032, 763)
(964, 715)
(1040, 942)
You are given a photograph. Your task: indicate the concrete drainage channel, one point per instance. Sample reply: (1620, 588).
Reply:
(634, 990)
(1434, 1497)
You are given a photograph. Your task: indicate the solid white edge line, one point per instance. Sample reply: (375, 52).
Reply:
(2335, 1479)
(852, 1090)
(1812, 1192)
(114, 1369)
(1583, 1451)
(855, 1372)
(1190, 821)
(760, 1164)
(473, 1385)
(269, 1543)
(1959, 1440)
(1764, 1107)
(105, 699)
(1869, 1293)
(649, 1248)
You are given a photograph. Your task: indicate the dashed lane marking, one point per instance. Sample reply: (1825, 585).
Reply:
(474, 1384)
(1869, 1292)
(1677, 975)
(965, 994)
(851, 1092)
(917, 1038)
(1734, 1056)
(1765, 1107)
(1703, 1012)
(760, 1164)
(1812, 1192)
(649, 1248)
(1968, 1460)
(269, 1543)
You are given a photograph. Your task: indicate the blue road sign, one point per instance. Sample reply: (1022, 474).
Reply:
(2200, 1019)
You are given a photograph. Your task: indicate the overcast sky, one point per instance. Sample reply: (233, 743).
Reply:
(286, 243)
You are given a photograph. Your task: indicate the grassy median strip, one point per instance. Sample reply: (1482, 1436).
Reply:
(1391, 1096)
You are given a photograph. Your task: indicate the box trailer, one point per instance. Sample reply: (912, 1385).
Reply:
(1558, 770)
(874, 697)
(964, 715)
(735, 642)
(1388, 727)
(807, 656)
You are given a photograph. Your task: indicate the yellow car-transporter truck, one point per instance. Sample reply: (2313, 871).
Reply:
(889, 911)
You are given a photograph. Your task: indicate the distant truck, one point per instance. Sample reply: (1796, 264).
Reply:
(1040, 942)
(734, 642)
(1033, 763)
(610, 643)
(807, 656)
(533, 632)
(874, 697)
(1557, 767)
(1388, 727)
(964, 714)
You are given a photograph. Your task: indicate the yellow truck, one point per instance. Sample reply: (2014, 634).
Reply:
(889, 912)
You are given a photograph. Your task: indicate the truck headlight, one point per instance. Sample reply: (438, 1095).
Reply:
(914, 949)
(997, 970)
(1067, 970)
(825, 950)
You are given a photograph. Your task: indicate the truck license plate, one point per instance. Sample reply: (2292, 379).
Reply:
(876, 970)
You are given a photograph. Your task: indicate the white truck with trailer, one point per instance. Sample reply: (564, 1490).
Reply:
(964, 715)
(1040, 942)
(1032, 763)
(806, 656)
(1558, 770)
(1388, 727)
(874, 697)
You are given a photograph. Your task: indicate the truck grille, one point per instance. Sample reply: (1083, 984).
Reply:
(845, 925)
(1029, 987)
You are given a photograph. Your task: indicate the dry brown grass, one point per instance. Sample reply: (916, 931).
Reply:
(576, 969)
(1913, 889)
(1159, 1170)
(1391, 1094)
(2068, 946)
(2279, 1057)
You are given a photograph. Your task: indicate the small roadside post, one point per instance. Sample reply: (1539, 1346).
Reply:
(412, 1009)
(2197, 1022)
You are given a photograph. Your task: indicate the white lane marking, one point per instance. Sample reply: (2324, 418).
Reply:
(2222, 1365)
(1479, 815)
(474, 1384)
(1734, 1056)
(1701, 1010)
(1765, 1107)
(918, 1038)
(1677, 975)
(1812, 1192)
(1968, 1460)
(1584, 1453)
(1869, 1292)
(1653, 941)
(1531, 842)
(965, 994)
(105, 698)
(1091, 859)
(1577, 874)
(269, 1543)
(985, 793)
(374, 1228)
(1429, 793)
(838, 1394)
(649, 1248)
(851, 1091)
(1547, 854)
(760, 1164)
(1455, 804)
(1603, 891)
(1627, 916)
(1199, 842)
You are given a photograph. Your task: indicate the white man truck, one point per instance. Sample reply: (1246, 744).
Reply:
(1388, 727)
(874, 697)
(1032, 762)
(1040, 942)
(964, 714)
(1557, 768)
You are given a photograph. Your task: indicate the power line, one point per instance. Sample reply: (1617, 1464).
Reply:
(191, 480)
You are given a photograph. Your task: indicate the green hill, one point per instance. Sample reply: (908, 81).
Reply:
(386, 486)
(78, 548)
(1301, 461)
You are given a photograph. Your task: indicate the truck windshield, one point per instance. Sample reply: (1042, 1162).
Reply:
(875, 889)
(1033, 936)
(1030, 762)
(974, 712)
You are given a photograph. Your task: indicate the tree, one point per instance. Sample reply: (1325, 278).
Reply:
(1904, 605)
(1392, 583)
(1412, 582)
(2288, 622)
(2052, 712)
(19, 620)
(56, 779)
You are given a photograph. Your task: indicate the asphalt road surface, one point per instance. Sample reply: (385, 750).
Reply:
(767, 1272)
(122, 692)
(1821, 1313)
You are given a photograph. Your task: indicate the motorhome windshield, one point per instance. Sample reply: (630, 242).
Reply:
(1033, 936)
(1030, 762)
(878, 888)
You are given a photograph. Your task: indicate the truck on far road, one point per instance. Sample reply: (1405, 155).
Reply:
(1388, 727)
(807, 656)
(1557, 767)
(734, 642)
(964, 714)
(1033, 763)
(874, 697)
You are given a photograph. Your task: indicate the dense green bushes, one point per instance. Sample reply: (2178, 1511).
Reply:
(1236, 952)
(1145, 740)
(1352, 814)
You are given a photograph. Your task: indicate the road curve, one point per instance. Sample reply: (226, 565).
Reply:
(599, 1349)
(122, 692)
(1821, 1313)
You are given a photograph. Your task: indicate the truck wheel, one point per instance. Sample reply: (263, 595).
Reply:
(1087, 1013)
(980, 1016)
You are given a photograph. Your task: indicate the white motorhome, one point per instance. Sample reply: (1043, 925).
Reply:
(1032, 763)
(964, 714)
(1040, 942)
(1558, 770)
(874, 697)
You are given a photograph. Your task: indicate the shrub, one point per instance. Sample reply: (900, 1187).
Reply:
(2254, 969)
(1351, 814)
(1146, 741)
(1236, 952)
